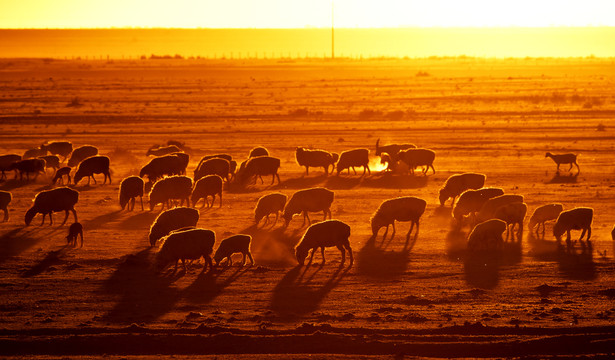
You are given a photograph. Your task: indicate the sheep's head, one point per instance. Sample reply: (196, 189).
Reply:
(30, 215)
(377, 223)
(443, 197)
(558, 231)
(301, 254)
(123, 200)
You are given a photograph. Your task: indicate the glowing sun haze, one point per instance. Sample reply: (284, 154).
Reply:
(303, 13)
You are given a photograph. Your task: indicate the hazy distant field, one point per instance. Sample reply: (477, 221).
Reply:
(497, 117)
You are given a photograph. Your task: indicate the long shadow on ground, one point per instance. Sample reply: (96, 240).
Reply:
(20, 239)
(375, 260)
(211, 284)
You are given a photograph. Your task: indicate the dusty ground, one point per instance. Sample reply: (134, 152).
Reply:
(497, 117)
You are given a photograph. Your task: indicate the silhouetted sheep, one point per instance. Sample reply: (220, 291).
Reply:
(51, 161)
(59, 175)
(29, 166)
(260, 166)
(130, 188)
(161, 166)
(269, 204)
(74, 230)
(458, 183)
(81, 153)
(543, 214)
(210, 185)
(568, 158)
(471, 201)
(579, 218)
(258, 151)
(324, 234)
(513, 214)
(62, 148)
(351, 158)
(487, 236)
(487, 211)
(5, 200)
(34, 153)
(418, 157)
(315, 158)
(392, 149)
(170, 220)
(5, 164)
(93, 165)
(161, 151)
(49, 201)
(303, 201)
(184, 159)
(213, 166)
(234, 244)
(406, 208)
(191, 244)
(178, 187)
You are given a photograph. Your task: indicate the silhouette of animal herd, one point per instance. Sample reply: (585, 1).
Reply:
(487, 210)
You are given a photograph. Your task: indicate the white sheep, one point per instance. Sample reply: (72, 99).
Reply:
(59, 175)
(260, 166)
(579, 218)
(93, 165)
(161, 166)
(303, 201)
(269, 204)
(178, 187)
(353, 158)
(231, 245)
(471, 201)
(456, 184)
(406, 208)
(418, 157)
(513, 214)
(5, 164)
(315, 158)
(213, 166)
(130, 188)
(5, 200)
(173, 219)
(324, 234)
(49, 201)
(74, 230)
(543, 214)
(487, 236)
(191, 244)
(487, 211)
(161, 151)
(210, 185)
(29, 166)
(63, 148)
(568, 158)
(81, 153)
(258, 151)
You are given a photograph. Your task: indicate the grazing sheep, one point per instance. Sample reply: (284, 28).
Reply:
(513, 214)
(28, 166)
(568, 158)
(161, 166)
(63, 148)
(579, 218)
(93, 165)
(51, 161)
(458, 183)
(5, 164)
(74, 230)
(351, 158)
(418, 157)
(487, 236)
(81, 153)
(324, 234)
(487, 211)
(314, 158)
(5, 200)
(184, 160)
(130, 188)
(313, 199)
(392, 149)
(232, 245)
(406, 208)
(34, 153)
(161, 151)
(258, 151)
(206, 186)
(471, 201)
(260, 166)
(59, 175)
(49, 201)
(191, 244)
(213, 166)
(269, 204)
(176, 187)
(543, 214)
(173, 219)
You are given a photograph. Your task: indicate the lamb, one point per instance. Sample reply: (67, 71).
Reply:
(161, 166)
(579, 218)
(418, 157)
(51, 161)
(392, 149)
(173, 219)
(59, 175)
(324, 234)
(568, 158)
(214, 166)
(543, 214)
(313, 199)
(471, 201)
(161, 151)
(5, 163)
(93, 165)
(513, 214)
(178, 187)
(258, 151)
(5, 200)
(191, 244)
(34, 153)
(49, 201)
(74, 230)
(260, 166)
(487, 211)
(487, 236)
(458, 183)
(234, 244)
(63, 148)
(130, 188)
(315, 158)
(407, 208)
(28, 166)
(204, 187)
(269, 204)
(81, 153)
(352, 158)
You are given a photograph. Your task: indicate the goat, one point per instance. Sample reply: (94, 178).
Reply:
(568, 158)
(418, 157)
(59, 175)
(324, 234)
(130, 188)
(579, 218)
(171, 188)
(314, 158)
(28, 166)
(204, 187)
(487, 236)
(406, 208)
(543, 214)
(260, 166)
(173, 219)
(5, 200)
(81, 153)
(231, 245)
(269, 204)
(93, 165)
(5, 164)
(303, 201)
(351, 158)
(74, 230)
(458, 183)
(49, 201)
(185, 245)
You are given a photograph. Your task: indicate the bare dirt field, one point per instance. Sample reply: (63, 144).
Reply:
(496, 117)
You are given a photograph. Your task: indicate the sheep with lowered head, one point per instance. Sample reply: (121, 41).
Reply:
(513, 214)
(74, 230)
(178, 187)
(59, 175)
(353, 158)
(51, 161)
(269, 204)
(456, 184)
(5, 163)
(418, 157)
(173, 219)
(471, 201)
(213, 166)
(34, 153)
(93, 165)
(487, 211)
(63, 148)
(487, 236)
(161, 166)
(579, 218)
(190, 244)
(130, 188)
(232, 245)
(321, 235)
(406, 208)
(5, 200)
(543, 214)
(81, 153)
(260, 166)
(28, 166)
(315, 158)
(210, 185)
(49, 201)
(258, 151)
(303, 201)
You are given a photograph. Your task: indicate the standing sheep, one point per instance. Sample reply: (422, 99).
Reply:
(392, 149)
(81, 153)
(29, 166)
(161, 151)
(191, 244)
(49, 201)
(232, 245)
(51, 161)
(458, 183)
(260, 166)
(161, 166)
(579, 218)
(351, 158)
(269, 204)
(487, 211)
(210, 185)
(303, 201)
(93, 165)
(258, 151)
(513, 214)
(418, 157)
(471, 201)
(176, 187)
(63, 148)
(130, 188)
(407, 208)
(315, 158)
(543, 214)
(75, 229)
(213, 166)
(568, 158)
(324, 234)
(34, 153)
(5, 164)
(487, 236)
(59, 175)
(170, 220)
(5, 200)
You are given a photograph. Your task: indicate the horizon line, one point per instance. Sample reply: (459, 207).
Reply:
(317, 27)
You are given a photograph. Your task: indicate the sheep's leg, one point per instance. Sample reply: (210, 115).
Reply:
(570, 168)
(394, 230)
(44, 214)
(369, 172)
(278, 177)
(6, 215)
(311, 257)
(74, 214)
(251, 258)
(432, 168)
(322, 251)
(220, 195)
(582, 234)
(306, 170)
(349, 253)
(558, 168)
(325, 214)
(520, 232)
(341, 249)
(385, 233)
(81, 235)
(409, 231)
(568, 243)
(272, 179)
(304, 216)
(578, 169)
(65, 217)
(230, 260)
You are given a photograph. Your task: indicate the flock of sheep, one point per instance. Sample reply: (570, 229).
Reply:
(488, 211)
